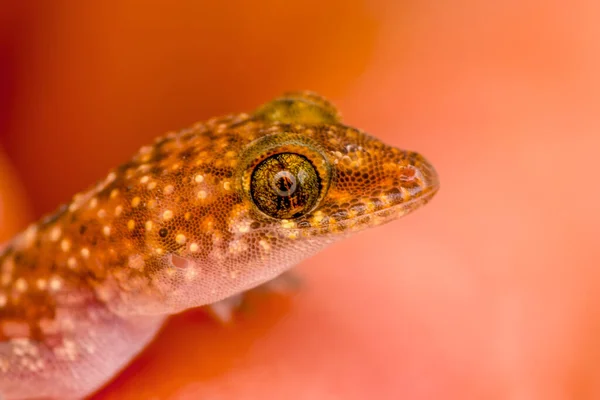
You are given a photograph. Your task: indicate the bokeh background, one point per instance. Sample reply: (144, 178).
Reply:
(490, 292)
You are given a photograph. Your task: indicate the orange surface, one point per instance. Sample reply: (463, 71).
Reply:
(490, 292)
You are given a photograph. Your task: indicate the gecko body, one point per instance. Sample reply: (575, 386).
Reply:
(201, 215)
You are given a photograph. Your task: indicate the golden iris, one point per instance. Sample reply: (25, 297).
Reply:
(285, 186)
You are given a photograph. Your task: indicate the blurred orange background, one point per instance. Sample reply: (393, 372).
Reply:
(490, 292)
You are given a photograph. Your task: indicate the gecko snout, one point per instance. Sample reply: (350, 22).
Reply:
(419, 176)
(418, 180)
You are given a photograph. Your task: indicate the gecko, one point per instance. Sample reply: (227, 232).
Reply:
(199, 216)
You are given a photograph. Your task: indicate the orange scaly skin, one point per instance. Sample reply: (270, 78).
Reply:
(201, 215)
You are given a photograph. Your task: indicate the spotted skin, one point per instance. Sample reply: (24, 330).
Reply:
(84, 289)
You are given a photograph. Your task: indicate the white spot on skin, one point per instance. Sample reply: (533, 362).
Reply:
(37, 365)
(65, 245)
(244, 227)
(135, 202)
(227, 185)
(102, 213)
(55, 283)
(94, 202)
(148, 225)
(131, 224)
(287, 224)
(144, 179)
(106, 230)
(21, 285)
(41, 284)
(167, 215)
(237, 246)
(265, 245)
(3, 300)
(202, 194)
(30, 235)
(198, 178)
(85, 252)
(169, 189)
(75, 204)
(72, 262)
(114, 193)
(318, 217)
(118, 210)
(151, 185)
(55, 233)
(190, 274)
(22, 346)
(194, 247)
(68, 350)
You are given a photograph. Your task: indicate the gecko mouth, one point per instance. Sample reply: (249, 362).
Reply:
(387, 213)
(395, 211)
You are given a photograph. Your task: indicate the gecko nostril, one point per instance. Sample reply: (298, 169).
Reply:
(419, 176)
(409, 173)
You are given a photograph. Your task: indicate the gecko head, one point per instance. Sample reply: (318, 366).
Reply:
(256, 194)
(306, 180)
(312, 174)
(328, 180)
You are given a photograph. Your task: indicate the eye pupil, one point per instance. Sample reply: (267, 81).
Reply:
(285, 185)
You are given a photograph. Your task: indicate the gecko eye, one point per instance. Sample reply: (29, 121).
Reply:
(285, 186)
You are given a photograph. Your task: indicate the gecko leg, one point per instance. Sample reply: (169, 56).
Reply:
(224, 311)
